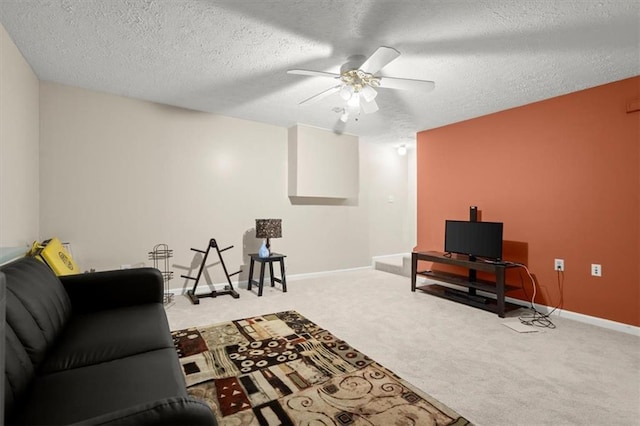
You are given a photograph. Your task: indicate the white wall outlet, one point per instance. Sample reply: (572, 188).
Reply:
(596, 270)
(558, 265)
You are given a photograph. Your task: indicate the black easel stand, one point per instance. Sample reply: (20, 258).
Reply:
(195, 298)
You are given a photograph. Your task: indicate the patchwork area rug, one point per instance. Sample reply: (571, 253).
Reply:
(282, 369)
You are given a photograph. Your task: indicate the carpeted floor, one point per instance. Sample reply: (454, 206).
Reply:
(281, 369)
(576, 374)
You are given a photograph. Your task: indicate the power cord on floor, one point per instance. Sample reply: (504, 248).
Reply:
(537, 318)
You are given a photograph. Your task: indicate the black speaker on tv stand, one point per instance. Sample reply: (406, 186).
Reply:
(473, 214)
(473, 217)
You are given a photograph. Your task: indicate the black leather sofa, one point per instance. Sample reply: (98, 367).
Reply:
(92, 348)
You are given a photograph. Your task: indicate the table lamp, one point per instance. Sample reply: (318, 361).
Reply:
(268, 228)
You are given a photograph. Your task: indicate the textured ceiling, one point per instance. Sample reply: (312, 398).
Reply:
(230, 56)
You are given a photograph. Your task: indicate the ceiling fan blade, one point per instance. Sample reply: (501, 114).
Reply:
(379, 59)
(312, 73)
(369, 107)
(321, 95)
(406, 84)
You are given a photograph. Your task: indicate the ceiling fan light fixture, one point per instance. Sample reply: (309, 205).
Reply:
(368, 93)
(357, 78)
(357, 82)
(354, 100)
(346, 92)
(369, 107)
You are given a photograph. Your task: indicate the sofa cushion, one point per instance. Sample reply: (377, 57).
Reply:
(37, 306)
(107, 335)
(18, 371)
(96, 390)
(165, 412)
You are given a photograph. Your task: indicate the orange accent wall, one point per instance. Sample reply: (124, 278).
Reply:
(564, 176)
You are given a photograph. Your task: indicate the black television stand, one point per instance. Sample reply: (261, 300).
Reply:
(470, 282)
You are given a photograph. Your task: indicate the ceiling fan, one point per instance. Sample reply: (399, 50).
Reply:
(358, 82)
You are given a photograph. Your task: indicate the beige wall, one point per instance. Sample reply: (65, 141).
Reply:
(116, 176)
(389, 197)
(310, 151)
(18, 147)
(119, 176)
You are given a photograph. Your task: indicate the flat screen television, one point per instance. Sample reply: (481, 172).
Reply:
(479, 239)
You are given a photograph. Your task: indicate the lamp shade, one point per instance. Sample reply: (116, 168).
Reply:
(268, 228)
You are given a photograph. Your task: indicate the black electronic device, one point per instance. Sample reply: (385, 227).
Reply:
(476, 239)
(473, 213)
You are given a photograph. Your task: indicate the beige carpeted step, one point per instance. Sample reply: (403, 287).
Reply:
(398, 264)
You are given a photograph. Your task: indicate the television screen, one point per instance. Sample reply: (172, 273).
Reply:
(481, 239)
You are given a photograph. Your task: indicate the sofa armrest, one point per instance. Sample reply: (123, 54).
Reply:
(114, 289)
(166, 412)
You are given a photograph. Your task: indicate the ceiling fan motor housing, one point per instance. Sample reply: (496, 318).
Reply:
(359, 79)
(353, 63)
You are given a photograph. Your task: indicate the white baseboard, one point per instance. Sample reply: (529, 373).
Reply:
(243, 284)
(296, 277)
(587, 319)
(562, 313)
(384, 256)
(576, 316)
(216, 287)
(599, 322)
